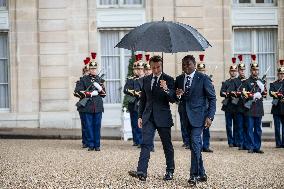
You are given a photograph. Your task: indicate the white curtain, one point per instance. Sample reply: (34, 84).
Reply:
(264, 1)
(132, 2)
(108, 2)
(111, 65)
(4, 100)
(265, 41)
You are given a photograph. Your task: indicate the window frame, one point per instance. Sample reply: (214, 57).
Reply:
(253, 41)
(254, 4)
(5, 110)
(122, 55)
(121, 5)
(4, 7)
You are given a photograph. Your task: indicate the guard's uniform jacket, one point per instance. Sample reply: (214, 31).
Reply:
(95, 103)
(256, 109)
(132, 88)
(227, 87)
(278, 105)
(239, 84)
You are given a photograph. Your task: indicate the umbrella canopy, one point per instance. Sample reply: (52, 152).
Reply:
(164, 36)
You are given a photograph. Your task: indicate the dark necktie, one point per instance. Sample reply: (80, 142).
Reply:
(187, 84)
(155, 83)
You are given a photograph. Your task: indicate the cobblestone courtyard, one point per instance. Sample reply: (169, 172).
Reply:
(64, 164)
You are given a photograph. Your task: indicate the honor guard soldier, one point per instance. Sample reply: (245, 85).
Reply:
(254, 92)
(132, 90)
(206, 132)
(147, 67)
(91, 90)
(277, 92)
(85, 71)
(239, 101)
(229, 107)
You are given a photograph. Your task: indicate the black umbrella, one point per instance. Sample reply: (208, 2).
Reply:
(164, 36)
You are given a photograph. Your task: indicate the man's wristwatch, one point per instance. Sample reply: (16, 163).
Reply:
(210, 118)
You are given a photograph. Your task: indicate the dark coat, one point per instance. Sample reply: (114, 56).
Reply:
(95, 103)
(238, 85)
(227, 87)
(132, 83)
(277, 86)
(157, 102)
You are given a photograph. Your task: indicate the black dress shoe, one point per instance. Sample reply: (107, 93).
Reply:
(84, 146)
(168, 176)
(138, 145)
(207, 150)
(231, 145)
(134, 144)
(259, 151)
(153, 150)
(91, 149)
(279, 147)
(135, 174)
(250, 151)
(188, 147)
(242, 148)
(97, 149)
(202, 178)
(192, 181)
(184, 145)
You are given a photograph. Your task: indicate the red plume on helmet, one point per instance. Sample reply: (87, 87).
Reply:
(234, 60)
(282, 62)
(87, 60)
(94, 55)
(240, 57)
(136, 57)
(140, 56)
(253, 57)
(201, 57)
(147, 57)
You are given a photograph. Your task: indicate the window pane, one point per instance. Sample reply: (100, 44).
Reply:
(3, 72)
(264, 1)
(244, 1)
(3, 45)
(4, 103)
(132, 2)
(242, 41)
(2, 3)
(113, 90)
(108, 2)
(266, 41)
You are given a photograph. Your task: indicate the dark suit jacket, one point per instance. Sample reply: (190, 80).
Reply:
(201, 100)
(157, 102)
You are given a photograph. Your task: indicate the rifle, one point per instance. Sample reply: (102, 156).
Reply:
(275, 101)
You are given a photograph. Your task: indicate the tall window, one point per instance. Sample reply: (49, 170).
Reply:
(255, 2)
(114, 64)
(120, 3)
(4, 82)
(263, 43)
(3, 4)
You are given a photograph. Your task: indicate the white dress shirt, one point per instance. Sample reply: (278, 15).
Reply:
(185, 79)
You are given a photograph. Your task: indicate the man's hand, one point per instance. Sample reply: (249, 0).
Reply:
(179, 92)
(140, 123)
(163, 84)
(208, 122)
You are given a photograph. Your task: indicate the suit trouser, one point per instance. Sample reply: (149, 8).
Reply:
(148, 133)
(184, 132)
(278, 121)
(206, 138)
(232, 129)
(93, 127)
(83, 128)
(136, 131)
(254, 132)
(196, 168)
(242, 127)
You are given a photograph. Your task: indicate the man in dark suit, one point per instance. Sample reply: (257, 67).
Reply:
(198, 97)
(154, 114)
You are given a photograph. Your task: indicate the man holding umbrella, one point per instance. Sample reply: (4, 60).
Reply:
(155, 114)
(199, 99)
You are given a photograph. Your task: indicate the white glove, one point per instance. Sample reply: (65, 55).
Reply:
(98, 86)
(260, 85)
(94, 93)
(257, 96)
